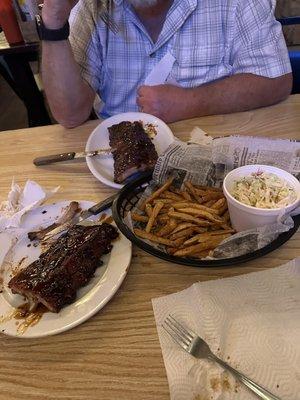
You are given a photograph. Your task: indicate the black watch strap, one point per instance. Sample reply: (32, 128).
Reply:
(51, 34)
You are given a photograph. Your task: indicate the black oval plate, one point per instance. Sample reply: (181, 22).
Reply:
(127, 199)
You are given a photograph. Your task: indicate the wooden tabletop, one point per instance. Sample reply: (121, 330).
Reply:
(115, 354)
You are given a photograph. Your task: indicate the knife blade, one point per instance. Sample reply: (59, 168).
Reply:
(72, 155)
(82, 216)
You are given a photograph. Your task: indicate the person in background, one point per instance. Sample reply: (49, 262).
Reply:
(222, 56)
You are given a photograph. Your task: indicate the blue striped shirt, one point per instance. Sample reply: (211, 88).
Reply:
(209, 39)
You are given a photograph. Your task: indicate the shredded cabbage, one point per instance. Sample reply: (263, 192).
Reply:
(263, 190)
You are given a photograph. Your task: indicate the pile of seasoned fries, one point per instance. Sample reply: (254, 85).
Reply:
(189, 222)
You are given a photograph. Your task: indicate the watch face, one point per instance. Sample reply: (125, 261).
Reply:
(38, 21)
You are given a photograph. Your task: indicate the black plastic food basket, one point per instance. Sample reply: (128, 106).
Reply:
(129, 197)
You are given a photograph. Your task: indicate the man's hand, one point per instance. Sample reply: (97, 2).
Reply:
(164, 101)
(55, 13)
(240, 92)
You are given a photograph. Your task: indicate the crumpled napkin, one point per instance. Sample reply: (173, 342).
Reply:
(251, 321)
(18, 203)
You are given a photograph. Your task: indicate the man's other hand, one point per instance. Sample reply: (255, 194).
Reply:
(163, 101)
(55, 13)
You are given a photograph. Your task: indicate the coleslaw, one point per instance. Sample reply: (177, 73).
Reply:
(263, 190)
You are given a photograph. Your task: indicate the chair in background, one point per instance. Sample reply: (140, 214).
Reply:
(294, 54)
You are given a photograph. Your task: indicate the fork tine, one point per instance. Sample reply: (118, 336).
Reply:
(189, 334)
(176, 331)
(175, 336)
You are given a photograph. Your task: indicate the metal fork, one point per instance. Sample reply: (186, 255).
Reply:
(107, 19)
(198, 348)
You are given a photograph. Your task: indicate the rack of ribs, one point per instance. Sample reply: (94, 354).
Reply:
(67, 265)
(133, 149)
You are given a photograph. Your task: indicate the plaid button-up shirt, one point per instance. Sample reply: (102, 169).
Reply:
(209, 39)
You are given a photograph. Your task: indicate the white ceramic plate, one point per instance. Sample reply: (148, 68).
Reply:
(90, 298)
(102, 167)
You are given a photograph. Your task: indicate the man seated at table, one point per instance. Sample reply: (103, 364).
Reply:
(221, 56)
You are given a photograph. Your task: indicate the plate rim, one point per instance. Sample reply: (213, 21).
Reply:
(30, 334)
(122, 116)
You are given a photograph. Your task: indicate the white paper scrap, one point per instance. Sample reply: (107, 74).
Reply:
(161, 71)
(20, 201)
(199, 136)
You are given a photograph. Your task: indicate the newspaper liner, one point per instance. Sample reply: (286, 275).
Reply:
(206, 161)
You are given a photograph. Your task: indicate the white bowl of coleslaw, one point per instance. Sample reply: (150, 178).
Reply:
(257, 195)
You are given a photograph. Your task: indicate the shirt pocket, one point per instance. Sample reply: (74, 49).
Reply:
(198, 63)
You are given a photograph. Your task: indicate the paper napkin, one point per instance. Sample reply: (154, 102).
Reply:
(251, 321)
(161, 71)
(20, 201)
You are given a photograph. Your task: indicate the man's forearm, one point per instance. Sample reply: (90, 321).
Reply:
(233, 94)
(69, 97)
(236, 93)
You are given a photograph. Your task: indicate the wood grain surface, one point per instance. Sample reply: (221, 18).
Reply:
(115, 354)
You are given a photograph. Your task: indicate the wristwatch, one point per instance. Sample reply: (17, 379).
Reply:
(54, 35)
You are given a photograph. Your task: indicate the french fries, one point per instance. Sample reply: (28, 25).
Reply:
(157, 193)
(152, 237)
(182, 234)
(185, 204)
(139, 217)
(191, 190)
(168, 227)
(184, 225)
(171, 196)
(148, 210)
(186, 195)
(153, 216)
(219, 204)
(201, 213)
(190, 222)
(206, 245)
(190, 218)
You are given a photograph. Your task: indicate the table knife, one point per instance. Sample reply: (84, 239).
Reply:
(96, 209)
(85, 214)
(54, 158)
